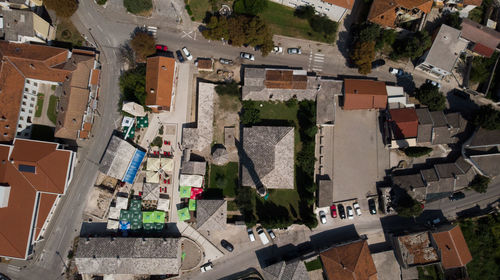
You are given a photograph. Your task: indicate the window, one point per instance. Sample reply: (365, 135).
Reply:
(31, 105)
(22, 110)
(21, 118)
(7, 126)
(26, 89)
(28, 82)
(31, 111)
(32, 99)
(33, 91)
(25, 97)
(35, 84)
(27, 168)
(24, 103)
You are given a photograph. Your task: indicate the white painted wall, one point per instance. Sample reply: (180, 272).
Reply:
(333, 12)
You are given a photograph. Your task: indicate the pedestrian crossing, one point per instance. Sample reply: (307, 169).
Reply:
(316, 61)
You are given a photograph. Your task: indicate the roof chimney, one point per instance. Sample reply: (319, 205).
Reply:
(355, 91)
(152, 90)
(343, 266)
(164, 67)
(32, 66)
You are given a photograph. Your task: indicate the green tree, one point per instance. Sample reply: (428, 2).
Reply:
(408, 207)
(138, 6)
(487, 117)
(453, 20)
(63, 8)
(322, 24)
(480, 183)
(417, 151)
(304, 12)
(368, 32)
(249, 7)
(363, 55)
(133, 84)
(249, 115)
(430, 95)
(387, 37)
(232, 88)
(143, 45)
(482, 67)
(412, 46)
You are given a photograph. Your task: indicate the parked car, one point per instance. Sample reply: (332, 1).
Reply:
(206, 267)
(333, 211)
(4, 277)
(248, 56)
(250, 235)
(271, 233)
(341, 211)
(278, 49)
(395, 71)
(434, 83)
(371, 205)
(322, 217)
(377, 63)
(187, 53)
(161, 47)
(357, 208)
(350, 213)
(226, 245)
(457, 196)
(262, 236)
(225, 61)
(294, 51)
(179, 56)
(461, 94)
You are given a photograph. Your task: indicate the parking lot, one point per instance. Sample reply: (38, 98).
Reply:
(360, 156)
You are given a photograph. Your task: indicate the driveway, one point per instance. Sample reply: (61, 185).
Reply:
(359, 154)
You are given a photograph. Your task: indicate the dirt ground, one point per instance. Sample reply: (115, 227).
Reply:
(226, 110)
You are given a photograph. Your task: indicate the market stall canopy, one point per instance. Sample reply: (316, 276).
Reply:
(163, 204)
(114, 213)
(191, 180)
(142, 122)
(152, 177)
(185, 192)
(134, 109)
(112, 225)
(135, 205)
(157, 164)
(192, 205)
(127, 121)
(121, 202)
(196, 193)
(183, 214)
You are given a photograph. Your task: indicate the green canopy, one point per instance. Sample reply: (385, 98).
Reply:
(131, 134)
(124, 215)
(185, 191)
(183, 214)
(135, 205)
(142, 121)
(136, 216)
(158, 226)
(192, 205)
(147, 217)
(148, 226)
(159, 217)
(135, 226)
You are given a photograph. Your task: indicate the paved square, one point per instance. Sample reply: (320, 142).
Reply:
(360, 156)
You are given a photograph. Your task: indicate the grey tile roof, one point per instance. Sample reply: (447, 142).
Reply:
(412, 183)
(446, 48)
(274, 271)
(325, 196)
(194, 167)
(292, 270)
(220, 156)
(484, 137)
(438, 119)
(424, 116)
(211, 214)
(440, 189)
(200, 138)
(443, 135)
(429, 175)
(128, 256)
(17, 22)
(268, 156)
(488, 164)
(325, 101)
(424, 134)
(117, 157)
(447, 170)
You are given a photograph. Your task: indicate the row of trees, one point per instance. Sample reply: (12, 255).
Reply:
(319, 23)
(240, 30)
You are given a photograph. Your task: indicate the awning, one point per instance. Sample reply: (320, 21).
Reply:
(196, 193)
(134, 109)
(152, 177)
(183, 214)
(192, 205)
(191, 180)
(185, 191)
(142, 122)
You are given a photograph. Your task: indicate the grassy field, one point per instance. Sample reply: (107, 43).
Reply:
(225, 178)
(286, 198)
(232, 206)
(39, 105)
(314, 264)
(51, 111)
(282, 22)
(67, 32)
(199, 8)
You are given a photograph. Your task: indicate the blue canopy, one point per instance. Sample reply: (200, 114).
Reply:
(134, 166)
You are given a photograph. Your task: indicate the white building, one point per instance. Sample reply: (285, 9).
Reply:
(333, 9)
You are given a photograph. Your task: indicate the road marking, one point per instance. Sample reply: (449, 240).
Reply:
(100, 28)
(187, 34)
(319, 54)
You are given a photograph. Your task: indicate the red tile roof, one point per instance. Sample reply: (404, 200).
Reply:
(404, 123)
(160, 72)
(480, 34)
(483, 50)
(453, 248)
(51, 171)
(45, 205)
(383, 12)
(476, 3)
(285, 79)
(352, 261)
(364, 94)
(95, 77)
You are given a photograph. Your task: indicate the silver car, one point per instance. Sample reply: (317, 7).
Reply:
(322, 217)
(248, 56)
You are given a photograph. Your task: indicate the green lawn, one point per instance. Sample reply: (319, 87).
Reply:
(430, 272)
(199, 8)
(282, 22)
(67, 32)
(313, 265)
(51, 111)
(224, 178)
(232, 206)
(286, 198)
(39, 105)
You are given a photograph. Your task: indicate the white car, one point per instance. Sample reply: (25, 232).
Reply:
(262, 236)
(206, 267)
(350, 213)
(278, 49)
(250, 235)
(322, 217)
(271, 233)
(434, 83)
(356, 208)
(248, 56)
(395, 71)
(187, 53)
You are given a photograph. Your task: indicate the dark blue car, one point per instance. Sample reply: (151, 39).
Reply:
(179, 56)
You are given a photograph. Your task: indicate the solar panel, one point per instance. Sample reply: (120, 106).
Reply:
(27, 168)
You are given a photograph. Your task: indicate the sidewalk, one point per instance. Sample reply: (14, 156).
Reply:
(211, 252)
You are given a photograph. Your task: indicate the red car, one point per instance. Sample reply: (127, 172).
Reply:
(161, 47)
(333, 211)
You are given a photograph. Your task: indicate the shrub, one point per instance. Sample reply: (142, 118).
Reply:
(133, 84)
(430, 95)
(409, 208)
(158, 142)
(143, 45)
(304, 12)
(232, 88)
(480, 183)
(363, 55)
(417, 151)
(101, 2)
(138, 6)
(313, 265)
(188, 9)
(412, 46)
(63, 8)
(249, 7)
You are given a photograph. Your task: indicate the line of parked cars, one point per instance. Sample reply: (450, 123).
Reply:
(348, 211)
(262, 235)
(178, 53)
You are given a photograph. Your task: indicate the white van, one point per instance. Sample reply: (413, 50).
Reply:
(262, 235)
